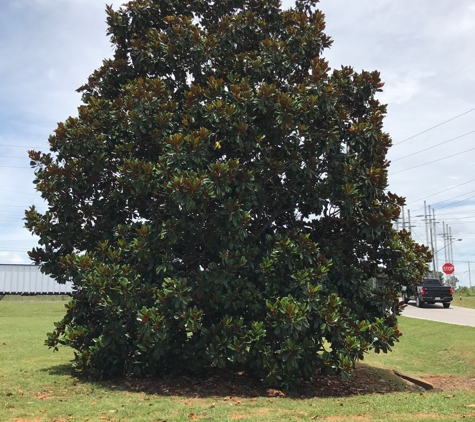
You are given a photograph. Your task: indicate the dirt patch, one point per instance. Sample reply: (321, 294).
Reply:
(434, 416)
(44, 395)
(452, 383)
(255, 414)
(28, 420)
(344, 418)
(366, 417)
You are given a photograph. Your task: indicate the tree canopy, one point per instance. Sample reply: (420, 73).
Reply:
(451, 281)
(221, 199)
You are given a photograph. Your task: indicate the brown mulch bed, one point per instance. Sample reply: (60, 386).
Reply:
(220, 383)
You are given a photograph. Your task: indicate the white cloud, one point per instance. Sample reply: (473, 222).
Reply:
(13, 258)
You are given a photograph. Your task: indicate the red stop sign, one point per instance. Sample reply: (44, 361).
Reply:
(448, 268)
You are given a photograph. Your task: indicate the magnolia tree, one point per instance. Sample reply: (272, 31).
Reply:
(221, 199)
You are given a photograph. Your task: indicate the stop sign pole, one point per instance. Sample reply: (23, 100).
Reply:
(448, 268)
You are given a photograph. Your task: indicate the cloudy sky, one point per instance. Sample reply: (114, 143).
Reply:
(425, 51)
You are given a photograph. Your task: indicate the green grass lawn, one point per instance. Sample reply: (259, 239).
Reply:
(36, 385)
(428, 347)
(466, 302)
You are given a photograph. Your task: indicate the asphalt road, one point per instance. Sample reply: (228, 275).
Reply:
(452, 315)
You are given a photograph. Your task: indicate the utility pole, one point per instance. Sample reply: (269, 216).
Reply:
(403, 219)
(429, 221)
(436, 261)
(425, 221)
(444, 237)
(451, 246)
(445, 241)
(469, 276)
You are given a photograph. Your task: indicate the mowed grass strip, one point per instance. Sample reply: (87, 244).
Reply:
(430, 348)
(466, 302)
(36, 385)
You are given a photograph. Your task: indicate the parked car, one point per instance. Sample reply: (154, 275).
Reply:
(430, 291)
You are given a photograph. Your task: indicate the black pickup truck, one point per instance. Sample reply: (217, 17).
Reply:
(430, 291)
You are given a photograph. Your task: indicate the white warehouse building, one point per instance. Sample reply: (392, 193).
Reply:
(17, 279)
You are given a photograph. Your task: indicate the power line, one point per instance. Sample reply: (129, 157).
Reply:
(452, 217)
(460, 212)
(9, 209)
(437, 193)
(20, 204)
(453, 203)
(22, 243)
(433, 127)
(455, 220)
(16, 192)
(454, 197)
(15, 167)
(434, 161)
(433, 146)
(446, 200)
(17, 146)
(20, 201)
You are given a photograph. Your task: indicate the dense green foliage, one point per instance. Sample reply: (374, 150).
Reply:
(466, 291)
(221, 199)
